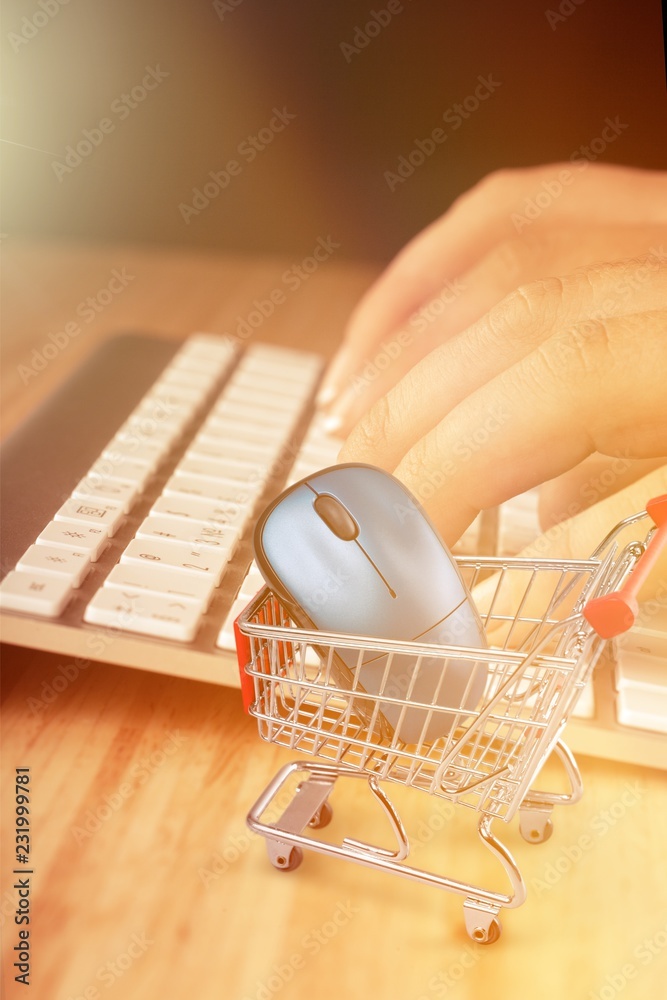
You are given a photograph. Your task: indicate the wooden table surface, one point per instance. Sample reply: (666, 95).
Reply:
(147, 884)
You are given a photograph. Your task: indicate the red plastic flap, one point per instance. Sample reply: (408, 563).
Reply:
(657, 509)
(243, 657)
(615, 613)
(611, 615)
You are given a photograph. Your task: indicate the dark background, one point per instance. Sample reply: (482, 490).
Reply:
(325, 173)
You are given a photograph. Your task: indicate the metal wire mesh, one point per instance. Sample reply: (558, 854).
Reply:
(540, 653)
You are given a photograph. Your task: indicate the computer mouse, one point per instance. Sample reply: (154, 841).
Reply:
(349, 549)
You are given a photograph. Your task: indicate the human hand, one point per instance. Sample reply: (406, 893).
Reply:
(574, 538)
(527, 393)
(560, 367)
(480, 250)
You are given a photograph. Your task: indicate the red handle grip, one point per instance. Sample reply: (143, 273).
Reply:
(615, 613)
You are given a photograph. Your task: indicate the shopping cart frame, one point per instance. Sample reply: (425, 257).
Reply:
(565, 649)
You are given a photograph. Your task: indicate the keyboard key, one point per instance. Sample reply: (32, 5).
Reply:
(252, 583)
(83, 538)
(242, 416)
(167, 617)
(144, 429)
(250, 456)
(226, 639)
(641, 684)
(211, 489)
(219, 449)
(109, 514)
(204, 560)
(470, 542)
(202, 381)
(37, 593)
(270, 356)
(229, 465)
(149, 454)
(173, 529)
(640, 674)
(158, 408)
(518, 523)
(213, 347)
(165, 412)
(264, 400)
(230, 470)
(317, 429)
(251, 586)
(648, 635)
(585, 704)
(642, 708)
(197, 364)
(289, 383)
(178, 393)
(318, 451)
(72, 564)
(221, 428)
(203, 511)
(322, 454)
(644, 670)
(301, 470)
(159, 579)
(95, 489)
(123, 470)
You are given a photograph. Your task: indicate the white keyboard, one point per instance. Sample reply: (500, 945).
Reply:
(142, 555)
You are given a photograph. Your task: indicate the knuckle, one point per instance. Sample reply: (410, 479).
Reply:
(627, 274)
(373, 433)
(406, 264)
(512, 180)
(500, 179)
(530, 253)
(489, 188)
(414, 467)
(591, 344)
(508, 259)
(534, 303)
(537, 299)
(582, 352)
(525, 254)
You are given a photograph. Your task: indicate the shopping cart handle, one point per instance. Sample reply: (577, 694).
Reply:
(615, 613)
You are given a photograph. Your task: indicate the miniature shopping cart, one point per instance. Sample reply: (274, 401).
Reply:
(546, 622)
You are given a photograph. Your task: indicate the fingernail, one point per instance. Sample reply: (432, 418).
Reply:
(326, 395)
(338, 416)
(332, 423)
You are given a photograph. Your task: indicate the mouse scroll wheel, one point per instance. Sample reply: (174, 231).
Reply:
(336, 517)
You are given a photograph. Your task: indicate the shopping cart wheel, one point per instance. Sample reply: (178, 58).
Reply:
(535, 825)
(488, 935)
(322, 817)
(482, 925)
(284, 858)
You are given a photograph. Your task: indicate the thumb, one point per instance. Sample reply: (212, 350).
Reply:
(529, 595)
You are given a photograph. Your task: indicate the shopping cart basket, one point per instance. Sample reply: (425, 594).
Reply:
(546, 621)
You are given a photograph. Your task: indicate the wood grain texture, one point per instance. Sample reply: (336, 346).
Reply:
(147, 883)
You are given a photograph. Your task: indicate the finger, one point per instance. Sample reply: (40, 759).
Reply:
(575, 538)
(578, 536)
(478, 220)
(589, 482)
(507, 335)
(504, 268)
(598, 386)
